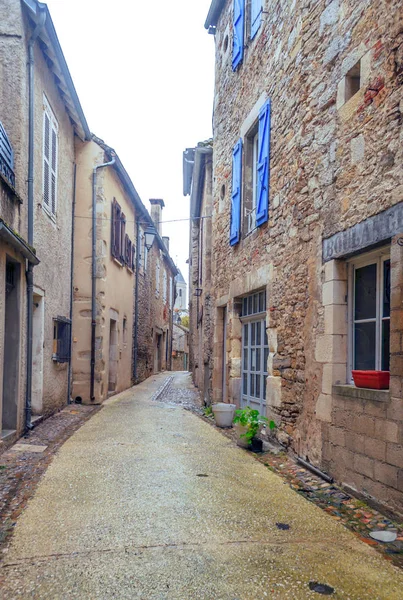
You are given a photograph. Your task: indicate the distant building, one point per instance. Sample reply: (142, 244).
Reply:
(181, 292)
(180, 348)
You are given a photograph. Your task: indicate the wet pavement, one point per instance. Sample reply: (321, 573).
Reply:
(148, 501)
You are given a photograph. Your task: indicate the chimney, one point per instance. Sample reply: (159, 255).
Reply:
(156, 212)
(165, 239)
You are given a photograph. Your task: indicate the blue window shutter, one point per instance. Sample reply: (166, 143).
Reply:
(239, 27)
(236, 194)
(255, 16)
(262, 209)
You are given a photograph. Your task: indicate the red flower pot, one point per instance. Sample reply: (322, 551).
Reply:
(374, 380)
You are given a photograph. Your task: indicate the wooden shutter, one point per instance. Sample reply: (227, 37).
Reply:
(46, 160)
(50, 159)
(122, 238)
(255, 16)
(238, 32)
(263, 169)
(235, 228)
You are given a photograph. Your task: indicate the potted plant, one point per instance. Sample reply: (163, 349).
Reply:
(248, 422)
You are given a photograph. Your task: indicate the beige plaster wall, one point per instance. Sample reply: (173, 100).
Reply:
(115, 283)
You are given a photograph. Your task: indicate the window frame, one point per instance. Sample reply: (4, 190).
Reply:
(53, 128)
(61, 343)
(378, 257)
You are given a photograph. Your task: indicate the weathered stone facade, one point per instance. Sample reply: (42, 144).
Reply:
(335, 161)
(51, 232)
(199, 187)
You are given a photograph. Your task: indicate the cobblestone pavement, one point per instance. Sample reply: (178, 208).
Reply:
(20, 472)
(354, 514)
(148, 502)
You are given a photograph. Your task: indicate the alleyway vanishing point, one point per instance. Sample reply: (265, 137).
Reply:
(147, 501)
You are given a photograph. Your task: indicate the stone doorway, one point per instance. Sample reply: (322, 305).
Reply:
(11, 360)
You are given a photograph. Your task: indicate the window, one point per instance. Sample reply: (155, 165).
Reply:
(255, 351)
(250, 183)
(50, 158)
(170, 291)
(61, 339)
(6, 157)
(180, 293)
(145, 252)
(353, 81)
(370, 312)
(122, 248)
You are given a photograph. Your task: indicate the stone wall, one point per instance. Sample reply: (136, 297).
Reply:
(334, 163)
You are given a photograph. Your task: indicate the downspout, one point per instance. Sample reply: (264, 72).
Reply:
(94, 272)
(136, 303)
(30, 273)
(71, 284)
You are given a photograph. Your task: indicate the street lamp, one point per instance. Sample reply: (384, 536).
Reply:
(149, 236)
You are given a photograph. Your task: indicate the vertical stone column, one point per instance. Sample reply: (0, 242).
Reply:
(395, 411)
(234, 336)
(331, 347)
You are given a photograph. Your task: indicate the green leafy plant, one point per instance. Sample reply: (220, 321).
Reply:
(208, 411)
(251, 418)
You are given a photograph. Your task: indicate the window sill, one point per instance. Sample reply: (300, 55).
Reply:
(117, 261)
(11, 188)
(361, 393)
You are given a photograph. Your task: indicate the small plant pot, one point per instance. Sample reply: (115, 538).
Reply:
(223, 414)
(374, 380)
(240, 430)
(256, 445)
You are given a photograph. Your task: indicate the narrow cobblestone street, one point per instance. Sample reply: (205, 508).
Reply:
(148, 501)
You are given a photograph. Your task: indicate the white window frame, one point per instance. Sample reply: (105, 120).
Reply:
(53, 128)
(377, 257)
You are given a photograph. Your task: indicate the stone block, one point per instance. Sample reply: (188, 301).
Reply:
(343, 460)
(364, 465)
(395, 409)
(337, 436)
(332, 373)
(376, 409)
(375, 448)
(335, 270)
(387, 430)
(386, 474)
(336, 321)
(341, 417)
(334, 292)
(331, 349)
(272, 339)
(354, 441)
(323, 410)
(273, 391)
(400, 480)
(363, 424)
(395, 386)
(394, 455)
(357, 145)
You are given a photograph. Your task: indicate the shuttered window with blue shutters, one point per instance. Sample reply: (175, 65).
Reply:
(235, 229)
(255, 16)
(262, 208)
(238, 33)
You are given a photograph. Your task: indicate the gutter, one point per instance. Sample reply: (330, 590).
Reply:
(30, 271)
(72, 283)
(94, 271)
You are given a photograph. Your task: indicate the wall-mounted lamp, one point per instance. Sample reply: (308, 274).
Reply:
(198, 292)
(149, 236)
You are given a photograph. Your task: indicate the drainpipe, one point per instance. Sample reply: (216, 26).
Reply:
(94, 272)
(30, 274)
(136, 303)
(72, 283)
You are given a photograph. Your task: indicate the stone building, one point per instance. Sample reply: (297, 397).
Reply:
(156, 300)
(197, 183)
(115, 344)
(40, 117)
(308, 228)
(180, 347)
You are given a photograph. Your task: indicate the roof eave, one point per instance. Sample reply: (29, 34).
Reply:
(214, 13)
(16, 242)
(82, 128)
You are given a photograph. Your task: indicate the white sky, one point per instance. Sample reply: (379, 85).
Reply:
(144, 73)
